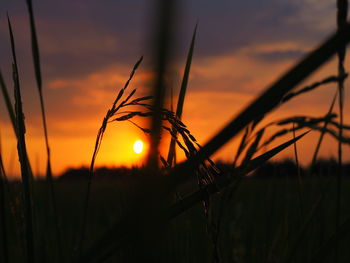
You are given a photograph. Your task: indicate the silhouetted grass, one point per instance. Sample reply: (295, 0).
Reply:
(266, 101)
(299, 175)
(110, 113)
(319, 142)
(182, 94)
(8, 103)
(37, 69)
(133, 225)
(115, 237)
(342, 13)
(22, 154)
(331, 79)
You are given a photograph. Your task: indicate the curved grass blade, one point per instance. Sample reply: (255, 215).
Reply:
(313, 86)
(253, 148)
(284, 132)
(303, 122)
(300, 120)
(265, 102)
(182, 94)
(22, 154)
(242, 145)
(332, 132)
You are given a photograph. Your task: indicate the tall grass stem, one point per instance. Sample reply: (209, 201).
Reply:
(299, 175)
(342, 13)
(37, 69)
(22, 154)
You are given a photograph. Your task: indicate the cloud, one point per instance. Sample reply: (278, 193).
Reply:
(247, 70)
(314, 15)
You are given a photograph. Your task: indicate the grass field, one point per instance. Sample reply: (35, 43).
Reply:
(191, 211)
(260, 222)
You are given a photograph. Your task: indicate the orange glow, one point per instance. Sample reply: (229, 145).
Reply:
(72, 139)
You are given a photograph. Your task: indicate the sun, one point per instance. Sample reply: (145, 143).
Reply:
(138, 146)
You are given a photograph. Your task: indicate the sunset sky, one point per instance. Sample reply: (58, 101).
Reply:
(88, 48)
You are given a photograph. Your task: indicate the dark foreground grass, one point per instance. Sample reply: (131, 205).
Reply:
(261, 225)
(275, 219)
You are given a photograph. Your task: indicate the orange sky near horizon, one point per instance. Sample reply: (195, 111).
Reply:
(222, 82)
(205, 113)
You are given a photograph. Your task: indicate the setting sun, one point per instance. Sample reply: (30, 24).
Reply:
(138, 146)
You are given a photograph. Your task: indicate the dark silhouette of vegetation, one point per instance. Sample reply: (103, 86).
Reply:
(133, 209)
(287, 167)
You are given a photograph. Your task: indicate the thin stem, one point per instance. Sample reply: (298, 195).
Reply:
(299, 175)
(342, 11)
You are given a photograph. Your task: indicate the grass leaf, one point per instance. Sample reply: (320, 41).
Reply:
(253, 147)
(182, 94)
(319, 142)
(342, 13)
(8, 103)
(313, 86)
(22, 154)
(38, 78)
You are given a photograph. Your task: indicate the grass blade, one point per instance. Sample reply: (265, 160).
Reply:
(267, 101)
(35, 47)
(37, 69)
(313, 86)
(22, 154)
(299, 176)
(253, 147)
(342, 13)
(8, 103)
(10, 110)
(182, 94)
(318, 146)
(242, 145)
